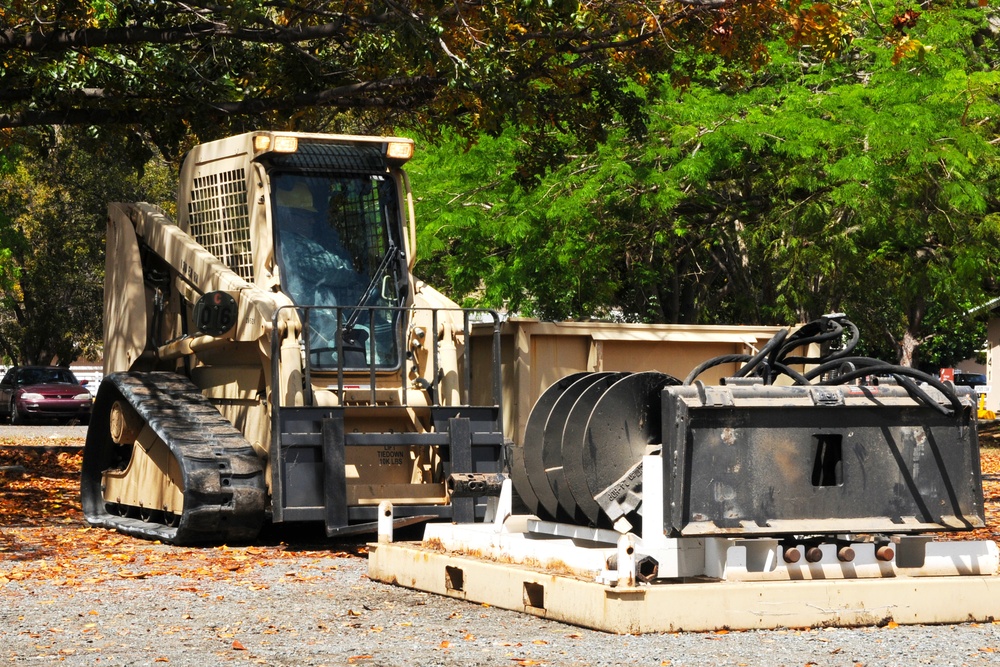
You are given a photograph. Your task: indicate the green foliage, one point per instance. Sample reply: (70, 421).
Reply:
(953, 338)
(53, 203)
(861, 179)
(177, 69)
(707, 162)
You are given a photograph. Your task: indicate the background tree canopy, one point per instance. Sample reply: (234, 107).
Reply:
(688, 161)
(176, 68)
(53, 203)
(857, 175)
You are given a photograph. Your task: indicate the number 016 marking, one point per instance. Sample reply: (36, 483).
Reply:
(215, 313)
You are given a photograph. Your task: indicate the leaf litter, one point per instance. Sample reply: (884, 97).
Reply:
(43, 534)
(44, 539)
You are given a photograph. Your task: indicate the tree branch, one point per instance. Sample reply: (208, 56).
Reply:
(359, 95)
(60, 40)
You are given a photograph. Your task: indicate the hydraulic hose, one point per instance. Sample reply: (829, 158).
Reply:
(773, 360)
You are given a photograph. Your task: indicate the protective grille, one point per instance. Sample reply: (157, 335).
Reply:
(219, 219)
(358, 219)
(330, 157)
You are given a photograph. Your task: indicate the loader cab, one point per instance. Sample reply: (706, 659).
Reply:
(339, 249)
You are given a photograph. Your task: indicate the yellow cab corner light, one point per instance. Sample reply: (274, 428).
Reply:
(279, 144)
(261, 143)
(285, 144)
(399, 151)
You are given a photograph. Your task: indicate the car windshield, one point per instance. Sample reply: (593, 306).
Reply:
(45, 376)
(337, 246)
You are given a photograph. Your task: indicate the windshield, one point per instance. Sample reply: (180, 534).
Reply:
(45, 376)
(970, 379)
(337, 245)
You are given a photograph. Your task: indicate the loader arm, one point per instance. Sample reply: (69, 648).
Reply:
(137, 228)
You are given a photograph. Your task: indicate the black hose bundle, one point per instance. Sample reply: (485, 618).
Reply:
(836, 367)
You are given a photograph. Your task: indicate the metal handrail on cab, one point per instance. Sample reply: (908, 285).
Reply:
(400, 317)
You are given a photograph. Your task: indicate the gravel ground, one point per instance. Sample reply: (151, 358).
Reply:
(315, 606)
(322, 610)
(51, 431)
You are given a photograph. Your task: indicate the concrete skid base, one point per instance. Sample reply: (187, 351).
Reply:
(695, 607)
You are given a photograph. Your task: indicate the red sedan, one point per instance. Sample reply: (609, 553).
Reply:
(30, 393)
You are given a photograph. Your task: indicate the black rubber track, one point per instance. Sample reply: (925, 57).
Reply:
(225, 495)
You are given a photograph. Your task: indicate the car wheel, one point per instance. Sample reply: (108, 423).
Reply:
(16, 417)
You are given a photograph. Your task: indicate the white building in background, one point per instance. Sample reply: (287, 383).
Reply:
(992, 369)
(91, 374)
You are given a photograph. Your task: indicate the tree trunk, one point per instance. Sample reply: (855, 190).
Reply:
(908, 349)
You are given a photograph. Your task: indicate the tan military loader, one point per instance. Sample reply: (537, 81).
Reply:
(269, 355)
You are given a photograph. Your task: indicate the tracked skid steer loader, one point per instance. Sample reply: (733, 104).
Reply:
(270, 357)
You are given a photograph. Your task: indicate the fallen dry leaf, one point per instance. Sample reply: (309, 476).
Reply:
(127, 574)
(45, 537)
(237, 646)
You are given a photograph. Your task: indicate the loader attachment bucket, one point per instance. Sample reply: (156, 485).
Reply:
(810, 459)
